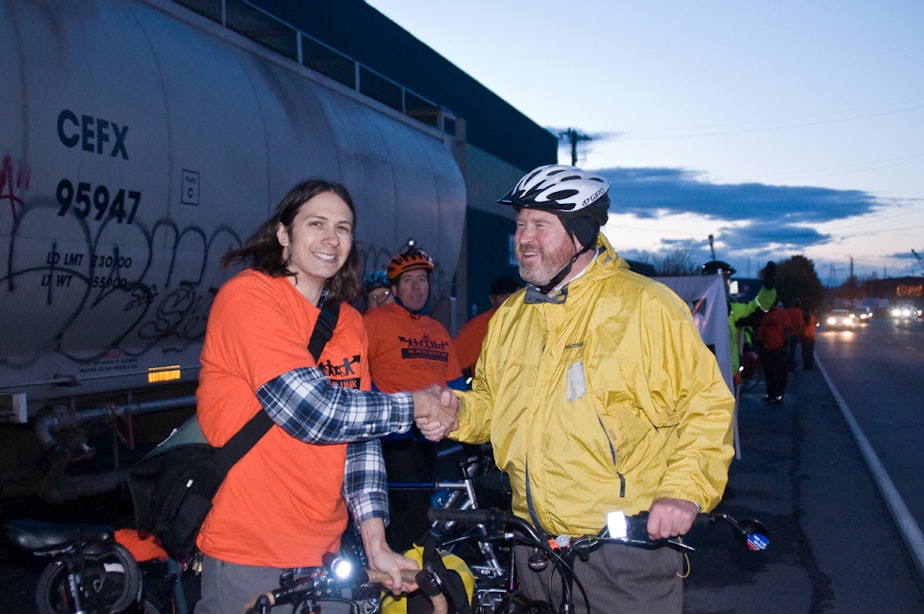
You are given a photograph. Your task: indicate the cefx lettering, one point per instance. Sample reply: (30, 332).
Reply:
(93, 134)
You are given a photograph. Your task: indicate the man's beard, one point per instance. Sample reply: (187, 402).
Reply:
(540, 272)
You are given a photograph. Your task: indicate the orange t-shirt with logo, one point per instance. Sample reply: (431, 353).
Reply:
(408, 351)
(281, 505)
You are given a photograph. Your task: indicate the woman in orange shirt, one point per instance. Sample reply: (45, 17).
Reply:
(288, 500)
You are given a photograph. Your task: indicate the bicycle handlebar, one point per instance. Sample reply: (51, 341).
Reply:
(489, 517)
(752, 533)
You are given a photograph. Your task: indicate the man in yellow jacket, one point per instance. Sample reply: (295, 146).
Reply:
(598, 395)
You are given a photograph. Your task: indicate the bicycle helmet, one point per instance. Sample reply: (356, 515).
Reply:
(566, 191)
(714, 267)
(577, 197)
(409, 258)
(375, 279)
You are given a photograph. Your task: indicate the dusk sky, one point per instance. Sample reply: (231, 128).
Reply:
(781, 128)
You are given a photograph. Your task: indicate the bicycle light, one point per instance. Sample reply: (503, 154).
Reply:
(617, 525)
(339, 566)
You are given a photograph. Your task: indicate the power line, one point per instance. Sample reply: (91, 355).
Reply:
(775, 124)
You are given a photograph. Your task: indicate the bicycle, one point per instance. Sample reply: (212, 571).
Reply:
(479, 476)
(91, 572)
(561, 551)
(306, 589)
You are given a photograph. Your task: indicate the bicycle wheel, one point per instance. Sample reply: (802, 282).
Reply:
(110, 583)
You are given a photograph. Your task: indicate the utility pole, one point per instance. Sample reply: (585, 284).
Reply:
(853, 284)
(573, 137)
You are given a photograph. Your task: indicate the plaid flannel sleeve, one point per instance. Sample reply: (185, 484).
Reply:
(365, 484)
(308, 407)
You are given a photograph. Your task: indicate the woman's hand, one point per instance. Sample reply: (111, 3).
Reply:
(383, 558)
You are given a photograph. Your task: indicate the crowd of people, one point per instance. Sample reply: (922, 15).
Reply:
(782, 338)
(591, 383)
(765, 328)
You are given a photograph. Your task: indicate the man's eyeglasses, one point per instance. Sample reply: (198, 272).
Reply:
(378, 299)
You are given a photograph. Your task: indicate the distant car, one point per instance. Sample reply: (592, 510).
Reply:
(840, 319)
(906, 312)
(862, 314)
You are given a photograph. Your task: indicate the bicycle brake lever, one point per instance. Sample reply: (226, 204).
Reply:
(676, 543)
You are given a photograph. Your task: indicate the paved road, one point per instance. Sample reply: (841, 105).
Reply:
(878, 370)
(834, 546)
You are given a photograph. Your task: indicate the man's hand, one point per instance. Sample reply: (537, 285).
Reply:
(435, 412)
(670, 517)
(769, 275)
(383, 558)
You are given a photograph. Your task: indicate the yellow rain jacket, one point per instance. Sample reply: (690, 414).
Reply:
(604, 402)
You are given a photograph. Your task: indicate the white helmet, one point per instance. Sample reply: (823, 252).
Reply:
(563, 190)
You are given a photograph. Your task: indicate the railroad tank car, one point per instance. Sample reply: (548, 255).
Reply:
(140, 140)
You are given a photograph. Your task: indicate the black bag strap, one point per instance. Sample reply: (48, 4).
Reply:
(323, 330)
(260, 424)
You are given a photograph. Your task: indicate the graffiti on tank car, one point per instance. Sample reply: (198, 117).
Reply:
(13, 182)
(134, 288)
(92, 134)
(180, 317)
(83, 199)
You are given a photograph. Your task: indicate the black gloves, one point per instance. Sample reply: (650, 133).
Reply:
(769, 275)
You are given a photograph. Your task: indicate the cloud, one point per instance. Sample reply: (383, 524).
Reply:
(750, 218)
(651, 192)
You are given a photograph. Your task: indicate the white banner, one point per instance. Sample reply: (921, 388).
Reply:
(705, 296)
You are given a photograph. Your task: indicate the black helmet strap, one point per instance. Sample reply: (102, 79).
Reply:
(564, 272)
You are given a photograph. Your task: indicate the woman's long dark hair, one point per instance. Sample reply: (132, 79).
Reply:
(263, 252)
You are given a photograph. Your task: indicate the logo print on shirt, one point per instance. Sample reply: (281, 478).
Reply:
(425, 348)
(339, 375)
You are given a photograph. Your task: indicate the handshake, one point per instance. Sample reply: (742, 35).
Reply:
(435, 412)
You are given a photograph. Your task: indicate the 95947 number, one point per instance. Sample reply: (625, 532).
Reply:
(85, 199)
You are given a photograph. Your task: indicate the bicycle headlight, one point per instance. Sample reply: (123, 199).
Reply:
(341, 568)
(617, 525)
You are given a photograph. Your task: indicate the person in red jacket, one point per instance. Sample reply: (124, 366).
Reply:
(468, 340)
(774, 333)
